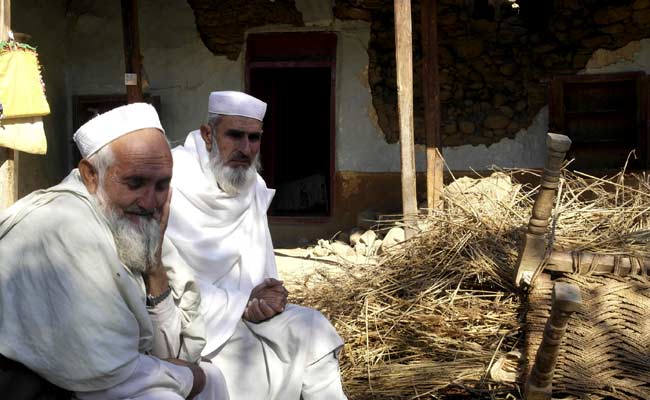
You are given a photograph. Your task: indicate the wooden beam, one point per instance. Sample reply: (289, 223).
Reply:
(404, 70)
(431, 96)
(8, 157)
(132, 56)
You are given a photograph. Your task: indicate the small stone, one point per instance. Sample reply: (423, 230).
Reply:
(507, 111)
(355, 234)
(360, 249)
(496, 121)
(325, 244)
(508, 69)
(342, 249)
(449, 129)
(368, 237)
(466, 127)
(520, 106)
(513, 127)
(372, 250)
(393, 237)
(610, 15)
(319, 251)
(499, 99)
(641, 17)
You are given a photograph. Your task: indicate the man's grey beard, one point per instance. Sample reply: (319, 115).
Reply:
(136, 244)
(231, 180)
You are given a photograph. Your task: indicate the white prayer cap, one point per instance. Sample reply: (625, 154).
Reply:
(236, 103)
(104, 128)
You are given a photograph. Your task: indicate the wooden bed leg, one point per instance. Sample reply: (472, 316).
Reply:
(533, 247)
(566, 301)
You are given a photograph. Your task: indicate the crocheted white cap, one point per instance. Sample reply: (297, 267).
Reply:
(236, 103)
(104, 128)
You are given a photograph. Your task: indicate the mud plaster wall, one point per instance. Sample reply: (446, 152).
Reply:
(27, 16)
(178, 67)
(81, 52)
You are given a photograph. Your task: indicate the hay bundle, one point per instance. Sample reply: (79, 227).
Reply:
(430, 317)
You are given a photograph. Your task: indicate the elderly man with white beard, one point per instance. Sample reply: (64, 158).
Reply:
(266, 348)
(85, 301)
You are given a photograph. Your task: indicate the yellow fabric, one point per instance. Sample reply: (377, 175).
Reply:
(21, 90)
(23, 134)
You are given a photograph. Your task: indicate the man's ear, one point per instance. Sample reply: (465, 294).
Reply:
(206, 134)
(89, 175)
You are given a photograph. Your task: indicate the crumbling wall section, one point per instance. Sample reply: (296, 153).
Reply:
(495, 60)
(222, 24)
(496, 57)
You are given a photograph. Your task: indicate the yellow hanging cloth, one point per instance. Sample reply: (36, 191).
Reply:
(23, 99)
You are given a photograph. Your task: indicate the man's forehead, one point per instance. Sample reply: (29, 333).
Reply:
(142, 151)
(237, 122)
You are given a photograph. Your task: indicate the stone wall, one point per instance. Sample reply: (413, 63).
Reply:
(222, 24)
(495, 64)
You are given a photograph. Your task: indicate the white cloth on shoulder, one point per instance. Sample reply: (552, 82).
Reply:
(70, 309)
(225, 239)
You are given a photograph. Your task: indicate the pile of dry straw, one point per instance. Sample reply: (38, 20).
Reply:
(431, 317)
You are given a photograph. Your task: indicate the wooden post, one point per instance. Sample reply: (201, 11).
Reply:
(404, 70)
(533, 248)
(431, 96)
(8, 157)
(132, 57)
(566, 301)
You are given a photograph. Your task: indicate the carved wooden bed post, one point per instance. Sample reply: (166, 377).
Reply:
(566, 300)
(534, 244)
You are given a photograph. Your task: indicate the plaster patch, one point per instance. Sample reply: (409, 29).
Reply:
(315, 12)
(631, 57)
(363, 77)
(526, 150)
(602, 57)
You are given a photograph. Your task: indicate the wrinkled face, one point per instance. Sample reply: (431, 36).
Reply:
(137, 183)
(238, 140)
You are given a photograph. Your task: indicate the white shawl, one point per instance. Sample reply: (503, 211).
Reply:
(225, 239)
(70, 310)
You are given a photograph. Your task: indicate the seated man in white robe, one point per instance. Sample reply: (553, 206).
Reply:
(266, 348)
(85, 301)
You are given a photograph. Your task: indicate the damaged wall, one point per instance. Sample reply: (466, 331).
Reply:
(81, 52)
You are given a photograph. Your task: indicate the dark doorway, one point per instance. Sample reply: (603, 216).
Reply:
(297, 146)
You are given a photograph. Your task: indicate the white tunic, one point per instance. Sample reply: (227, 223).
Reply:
(226, 241)
(71, 311)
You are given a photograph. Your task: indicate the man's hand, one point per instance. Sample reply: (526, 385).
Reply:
(199, 376)
(267, 300)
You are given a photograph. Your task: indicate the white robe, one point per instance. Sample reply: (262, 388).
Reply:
(225, 239)
(72, 312)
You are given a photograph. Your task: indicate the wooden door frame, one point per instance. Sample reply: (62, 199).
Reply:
(285, 64)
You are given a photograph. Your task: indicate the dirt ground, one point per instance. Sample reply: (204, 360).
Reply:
(297, 265)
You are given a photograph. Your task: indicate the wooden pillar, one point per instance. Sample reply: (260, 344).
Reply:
(132, 57)
(8, 157)
(431, 97)
(404, 70)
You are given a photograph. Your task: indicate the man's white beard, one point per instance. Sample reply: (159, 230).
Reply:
(231, 180)
(136, 244)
